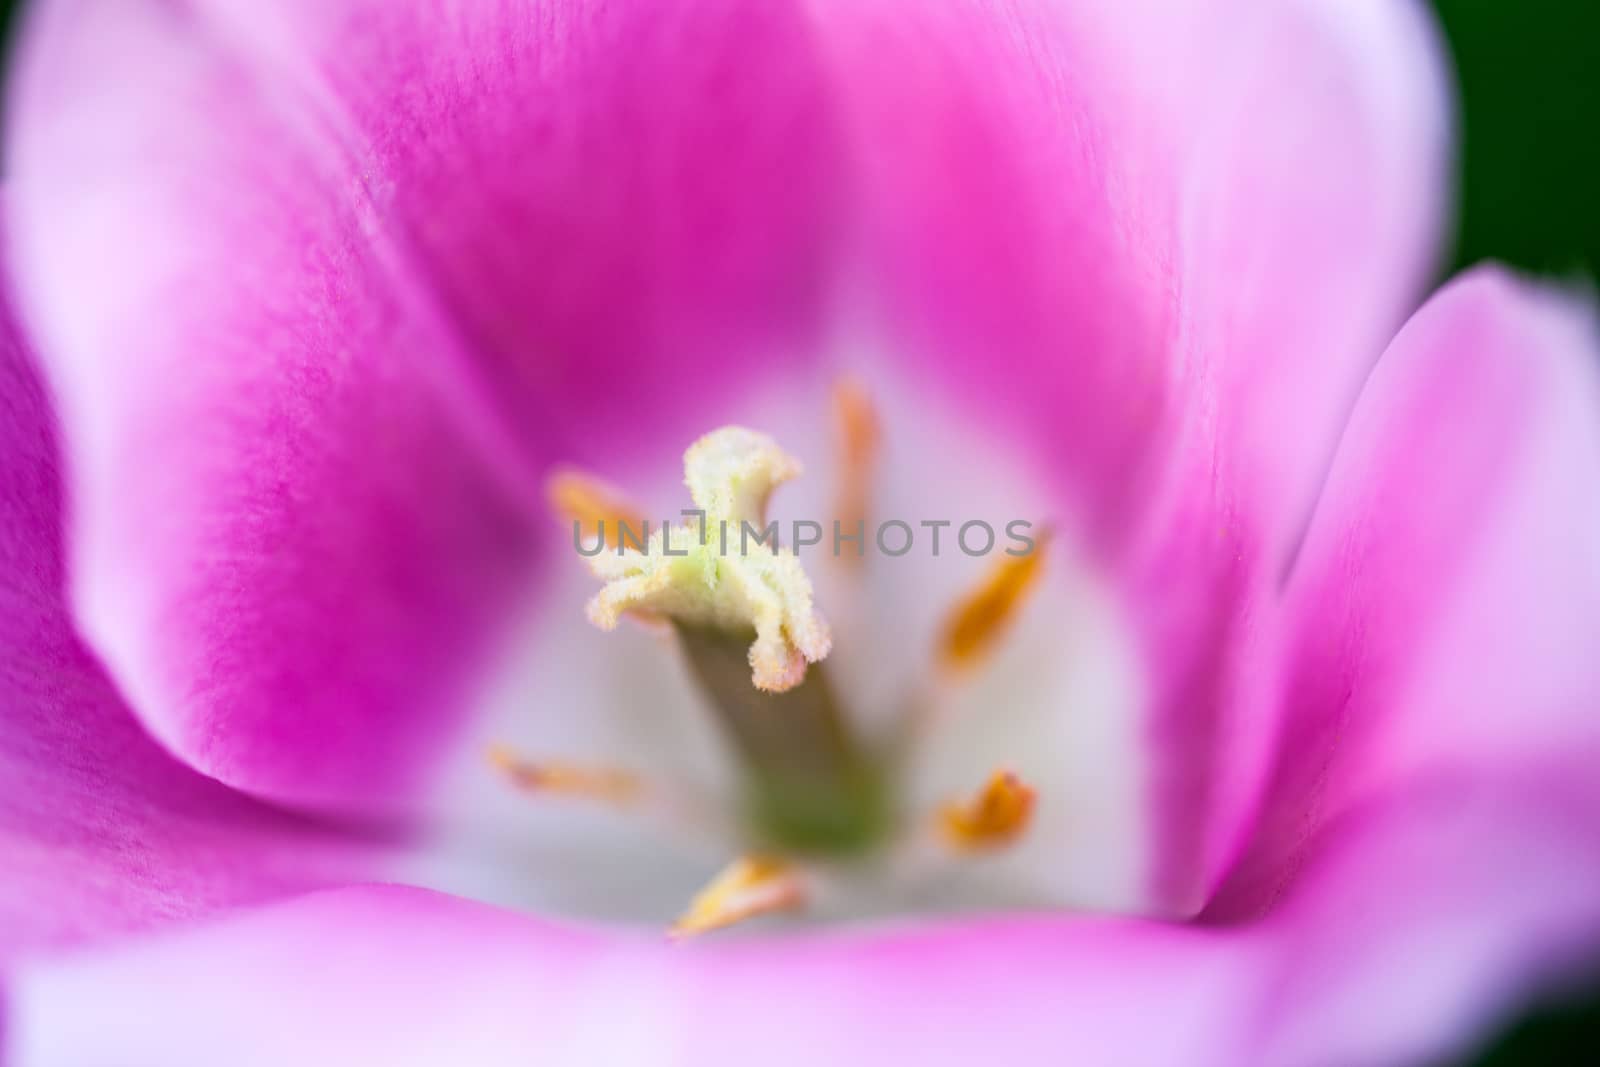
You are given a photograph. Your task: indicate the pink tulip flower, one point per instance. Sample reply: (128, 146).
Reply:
(1278, 748)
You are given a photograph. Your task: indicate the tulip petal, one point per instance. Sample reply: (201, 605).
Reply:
(1162, 226)
(1309, 227)
(1312, 199)
(320, 286)
(621, 209)
(1444, 608)
(1159, 244)
(100, 830)
(1422, 922)
(282, 549)
(1428, 917)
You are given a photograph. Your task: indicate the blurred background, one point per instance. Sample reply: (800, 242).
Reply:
(1528, 194)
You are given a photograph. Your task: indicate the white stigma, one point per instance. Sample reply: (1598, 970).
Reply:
(732, 578)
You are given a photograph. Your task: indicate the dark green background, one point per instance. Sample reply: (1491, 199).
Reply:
(1529, 73)
(1529, 79)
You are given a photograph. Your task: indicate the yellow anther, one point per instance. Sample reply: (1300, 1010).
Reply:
(858, 438)
(606, 784)
(724, 572)
(588, 501)
(996, 816)
(749, 886)
(977, 622)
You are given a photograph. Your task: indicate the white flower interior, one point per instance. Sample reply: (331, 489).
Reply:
(1058, 703)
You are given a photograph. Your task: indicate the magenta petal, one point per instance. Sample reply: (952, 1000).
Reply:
(1151, 228)
(1160, 245)
(1445, 605)
(322, 287)
(283, 550)
(1418, 926)
(101, 831)
(624, 207)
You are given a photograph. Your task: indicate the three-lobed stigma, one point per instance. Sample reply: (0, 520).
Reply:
(710, 572)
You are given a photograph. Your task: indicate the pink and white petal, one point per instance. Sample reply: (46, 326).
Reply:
(1314, 196)
(1292, 280)
(363, 975)
(282, 548)
(1142, 241)
(1422, 924)
(100, 830)
(1428, 917)
(320, 287)
(1444, 608)
(1314, 193)
(407, 977)
(1088, 217)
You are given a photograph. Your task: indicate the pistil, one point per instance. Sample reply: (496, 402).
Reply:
(753, 640)
(813, 787)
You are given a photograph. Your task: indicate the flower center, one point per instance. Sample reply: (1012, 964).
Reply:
(739, 605)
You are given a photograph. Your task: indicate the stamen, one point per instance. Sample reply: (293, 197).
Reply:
(606, 784)
(726, 574)
(974, 627)
(858, 434)
(750, 886)
(997, 815)
(592, 503)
